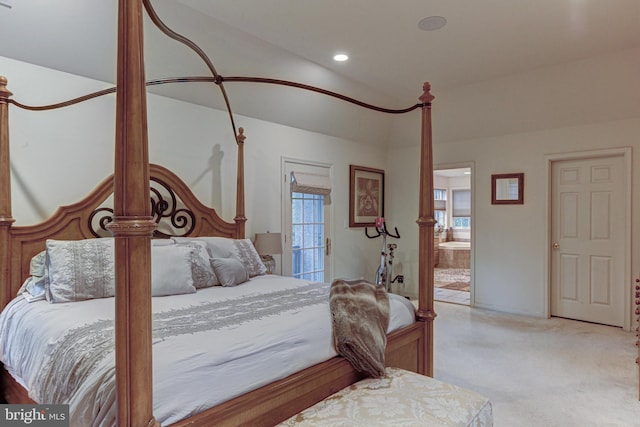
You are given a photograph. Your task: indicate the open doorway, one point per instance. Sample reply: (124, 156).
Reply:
(452, 236)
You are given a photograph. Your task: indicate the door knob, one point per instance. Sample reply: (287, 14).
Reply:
(556, 245)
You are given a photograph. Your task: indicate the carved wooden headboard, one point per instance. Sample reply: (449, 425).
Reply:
(175, 209)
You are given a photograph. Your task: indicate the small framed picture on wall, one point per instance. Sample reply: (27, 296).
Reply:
(366, 195)
(507, 189)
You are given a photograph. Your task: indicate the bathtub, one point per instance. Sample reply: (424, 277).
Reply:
(455, 245)
(454, 254)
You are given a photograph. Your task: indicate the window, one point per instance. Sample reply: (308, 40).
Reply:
(440, 207)
(307, 220)
(307, 236)
(461, 208)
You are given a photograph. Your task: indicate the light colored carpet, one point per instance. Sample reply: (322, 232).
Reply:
(539, 372)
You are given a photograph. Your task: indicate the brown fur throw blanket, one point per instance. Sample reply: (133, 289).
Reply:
(360, 318)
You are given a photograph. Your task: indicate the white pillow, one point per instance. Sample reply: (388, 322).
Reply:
(37, 265)
(218, 247)
(79, 270)
(84, 269)
(171, 270)
(33, 288)
(162, 242)
(230, 271)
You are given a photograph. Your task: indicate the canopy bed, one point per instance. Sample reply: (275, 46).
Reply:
(137, 363)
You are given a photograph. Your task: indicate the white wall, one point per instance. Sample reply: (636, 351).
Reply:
(58, 157)
(509, 241)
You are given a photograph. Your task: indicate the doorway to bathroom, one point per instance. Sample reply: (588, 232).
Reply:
(452, 234)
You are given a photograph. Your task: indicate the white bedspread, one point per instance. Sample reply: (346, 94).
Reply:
(208, 347)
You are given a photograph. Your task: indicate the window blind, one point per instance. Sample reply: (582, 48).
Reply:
(440, 205)
(461, 203)
(310, 183)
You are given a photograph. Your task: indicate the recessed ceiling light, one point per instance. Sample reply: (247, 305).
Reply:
(340, 57)
(432, 23)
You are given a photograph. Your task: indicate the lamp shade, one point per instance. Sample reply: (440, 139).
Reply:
(268, 243)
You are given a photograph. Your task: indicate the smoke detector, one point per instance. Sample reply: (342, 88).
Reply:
(432, 23)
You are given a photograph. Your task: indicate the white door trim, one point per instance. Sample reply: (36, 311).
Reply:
(580, 155)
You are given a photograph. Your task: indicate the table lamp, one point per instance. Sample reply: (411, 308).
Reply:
(268, 244)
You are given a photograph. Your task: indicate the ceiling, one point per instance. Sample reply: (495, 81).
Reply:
(452, 173)
(390, 57)
(482, 39)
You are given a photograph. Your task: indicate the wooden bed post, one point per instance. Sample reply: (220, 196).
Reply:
(132, 227)
(426, 223)
(240, 217)
(6, 220)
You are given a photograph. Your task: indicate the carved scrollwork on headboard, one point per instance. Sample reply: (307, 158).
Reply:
(98, 221)
(165, 204)
(180, 221)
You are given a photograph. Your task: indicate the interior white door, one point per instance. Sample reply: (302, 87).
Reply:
(587, 261)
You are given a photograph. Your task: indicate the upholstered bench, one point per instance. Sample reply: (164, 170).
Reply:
(401, 398)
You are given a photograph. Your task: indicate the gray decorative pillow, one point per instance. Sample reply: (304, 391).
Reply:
(79, 270)
(224, 247)
(201, 270)
(247, 253)
(230, 271)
